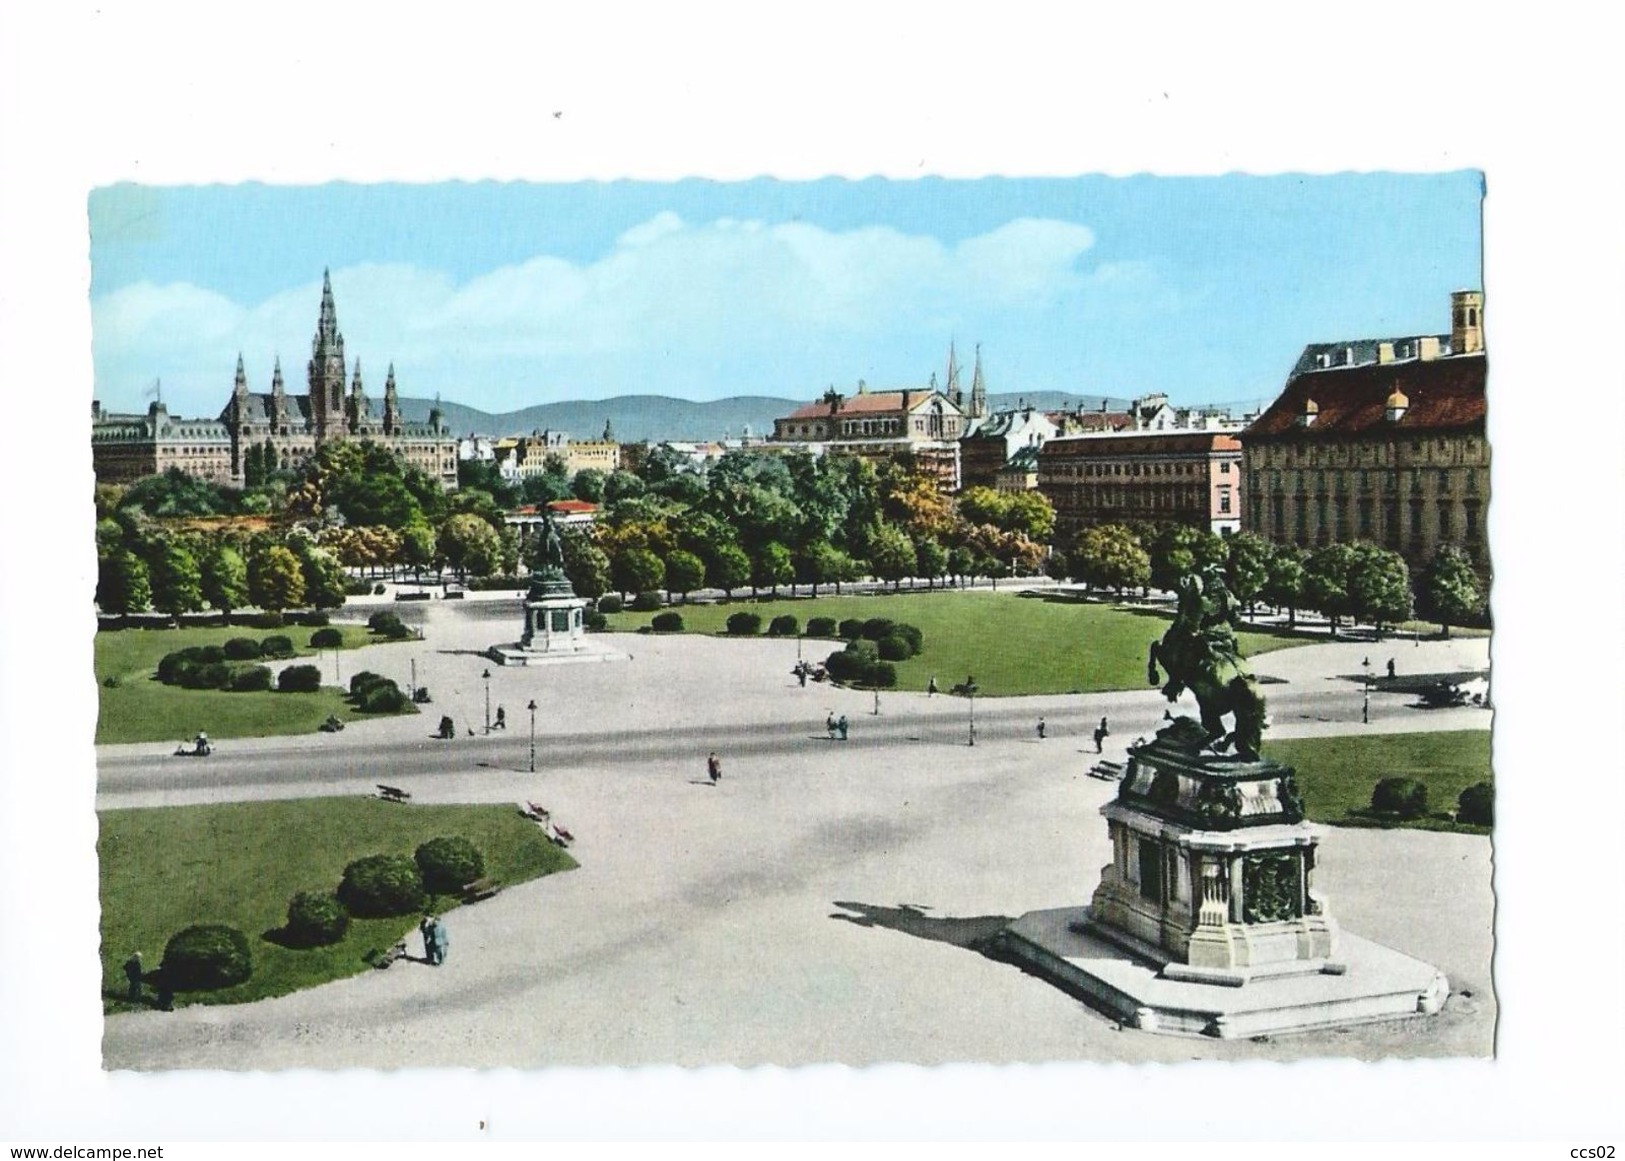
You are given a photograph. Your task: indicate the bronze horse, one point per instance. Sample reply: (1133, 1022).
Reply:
(1199, 653)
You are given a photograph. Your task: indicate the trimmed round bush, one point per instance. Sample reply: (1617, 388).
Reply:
(895, 647)
(357, 588)
(315, 919)
(877, 627)
(241, 649)
(851, 628)
(821, 627)
(207, 654)
(595, 621)
(1403, 797)
(784, 625)
(388, 624)
(915, 638)
(384, 697)
(214, 675)
(382, 885)
(843, 667)
(378, 589)
(327, 639)
(647, 602)
(881, 675)
(276, 645)
(609, 603)
(206, 956)
(1476, 805)
(667, 622)
(171, 664)
(744, 624)
(251, 679)
(360, 682)
(299, 679)
(314, 617)
(448, 863)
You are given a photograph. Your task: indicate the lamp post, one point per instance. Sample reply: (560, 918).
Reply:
(532, 708)
(970, 692)
(487, 676)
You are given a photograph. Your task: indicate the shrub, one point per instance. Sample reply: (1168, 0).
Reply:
(744, 624)
(595, 621)
(276, 645)
(381, 885)
(171, 664)
(206, 654)
(646, 602)
(667, 622)
(882, 675)
(383, 697)
(215, 675)
(1402, 797)
(251, 679)
(378, 589)
(299, 679)
(241, 649)
(357, 588)
(206, 956)
(895, 647)
(784, 625)
(316, 918)
(877, 627)
(851, 628)
(360, 682)
(821, 627)
(1476, 805)
(448, 863)
(915, 638)
(327, 639)
(609, 603)
(314, 617)
(387, 624)
(843, 667)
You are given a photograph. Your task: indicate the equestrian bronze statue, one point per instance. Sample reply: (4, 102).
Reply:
(1199, 653)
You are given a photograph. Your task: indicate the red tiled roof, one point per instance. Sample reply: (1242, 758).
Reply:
(1445, 394)
(572, 506)
(868, 403)
(1162, 443)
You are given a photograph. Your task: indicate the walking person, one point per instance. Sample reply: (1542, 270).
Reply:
(426, 930)
(1101, 734)
(841, 725)
(931, 686)
(441, 941)
(502, 719)
(133, 973)
(1390, 667)
(1041, 729)
(830, 724)
(713, 767)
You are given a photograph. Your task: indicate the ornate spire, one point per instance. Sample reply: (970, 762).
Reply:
(240, 387)
(355, 383)
(392, 405)
(978, 388)
(953, 388)
(276, 377)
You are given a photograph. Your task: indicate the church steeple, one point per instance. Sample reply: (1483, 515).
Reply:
(356, 414)
(978, 388)
(392, 405)
(279, 397)
(953, 389)
(326, 375)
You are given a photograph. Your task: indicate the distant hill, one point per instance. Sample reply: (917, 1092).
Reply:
(636, 418)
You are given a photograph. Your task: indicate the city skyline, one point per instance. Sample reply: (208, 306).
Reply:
(500, 296)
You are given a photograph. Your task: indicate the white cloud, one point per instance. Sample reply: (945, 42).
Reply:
(701, 309)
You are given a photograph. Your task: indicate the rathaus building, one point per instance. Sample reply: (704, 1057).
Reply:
(288, 427)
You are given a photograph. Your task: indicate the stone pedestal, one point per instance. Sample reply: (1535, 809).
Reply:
(555, 621)
(554, 625)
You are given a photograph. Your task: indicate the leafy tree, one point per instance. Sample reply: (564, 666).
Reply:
(1326, 576)
(174, 493)
(636, 570)
(961, 562)
(771, 567)
(1109, 556)
(323, 575)
(1379, 586)
(932, 559)
(1248, 570)
(1028, 513)
(911, 499)
(728, 568)
(470, 545)
(1177, 550)
(418, 545)
(1450, 589)
(622, 486)
(177, 581)
(1285, 580)
(588, 485)
(546, 486)
(488, 478)
(892, 555)
(585, 564)
(685, 572)
(122, 585)
(373, 499)
(275, 582)
(225, 580)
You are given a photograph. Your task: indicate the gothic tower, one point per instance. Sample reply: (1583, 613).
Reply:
(239, 418)
(356, 413)
(392, 405)
(954, 392)
(279, 400)
(327, 370)
(1466, 322)
(978, 389)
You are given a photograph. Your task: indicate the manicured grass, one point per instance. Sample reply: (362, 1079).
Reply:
(1336, 775)
(166, 868)
(139, 709)
(1012, 645)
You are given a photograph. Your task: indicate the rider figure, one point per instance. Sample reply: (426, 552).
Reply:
(200, 744)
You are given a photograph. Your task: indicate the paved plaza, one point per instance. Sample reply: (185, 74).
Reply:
(825, 902)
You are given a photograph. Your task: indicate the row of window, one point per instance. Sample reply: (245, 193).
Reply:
(1338, 523)
(1444, 479)
(1349, 454)
(1139, 468)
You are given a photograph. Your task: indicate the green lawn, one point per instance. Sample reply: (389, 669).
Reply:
(1336, 775)
(139, 709)
(166, 868)
(1012, 645)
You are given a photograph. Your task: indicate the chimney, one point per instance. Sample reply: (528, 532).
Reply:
(1427, 347)
(1348, 356)
(905, 399)
(1385, 352)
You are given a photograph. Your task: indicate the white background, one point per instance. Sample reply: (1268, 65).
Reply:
(296, 92)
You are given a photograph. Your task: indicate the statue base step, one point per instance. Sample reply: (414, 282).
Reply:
(516, 654)
(1368, 983)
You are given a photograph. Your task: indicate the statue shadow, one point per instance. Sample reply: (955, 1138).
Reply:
(978, 933)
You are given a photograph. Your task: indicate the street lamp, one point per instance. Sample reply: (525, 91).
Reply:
(532, 708)
(487, 676)
(970, 692)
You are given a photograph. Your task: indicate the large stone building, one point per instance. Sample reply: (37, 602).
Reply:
(994, 441)
(518, 458)
(1380, 440)
(876, 425)
(1188, 477)
(289, 427)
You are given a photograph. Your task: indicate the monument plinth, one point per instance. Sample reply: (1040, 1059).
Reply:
(1206, 921)
(555, 618)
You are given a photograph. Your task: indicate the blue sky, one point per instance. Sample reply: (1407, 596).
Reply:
(504, 295)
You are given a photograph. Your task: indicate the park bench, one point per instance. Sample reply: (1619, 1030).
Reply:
(393, 793)
(562, 837)
(1110, 771)
(413, 596)
(480, 889)
(536, 812)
